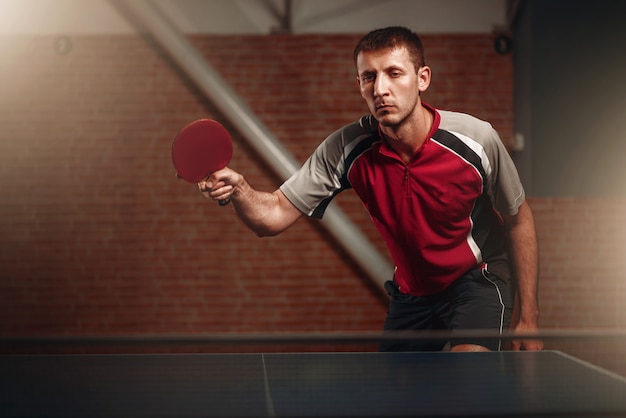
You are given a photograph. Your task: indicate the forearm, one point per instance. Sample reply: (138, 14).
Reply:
(259, 211)
(266, 214)
(523, 250)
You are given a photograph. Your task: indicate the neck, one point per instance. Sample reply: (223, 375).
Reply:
(407, 137)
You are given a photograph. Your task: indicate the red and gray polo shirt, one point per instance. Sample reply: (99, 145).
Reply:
(439, 214)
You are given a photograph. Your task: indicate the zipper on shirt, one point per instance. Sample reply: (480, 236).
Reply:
(406, 179)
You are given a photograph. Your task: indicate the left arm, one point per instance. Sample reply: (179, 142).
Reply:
(523, 250)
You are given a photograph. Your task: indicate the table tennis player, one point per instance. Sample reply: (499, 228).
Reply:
(440, 187)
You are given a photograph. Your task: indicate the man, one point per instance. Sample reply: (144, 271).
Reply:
(439, 186)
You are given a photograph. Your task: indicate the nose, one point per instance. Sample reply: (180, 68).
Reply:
(381, 86)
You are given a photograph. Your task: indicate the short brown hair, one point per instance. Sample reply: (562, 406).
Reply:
(392, 37)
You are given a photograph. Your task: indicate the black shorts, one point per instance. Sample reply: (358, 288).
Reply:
(477, 301)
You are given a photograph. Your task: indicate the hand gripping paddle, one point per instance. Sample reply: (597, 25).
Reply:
(200, 149)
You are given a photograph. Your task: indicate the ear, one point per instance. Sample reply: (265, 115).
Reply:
(423, 78)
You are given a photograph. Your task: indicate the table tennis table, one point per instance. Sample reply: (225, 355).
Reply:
(321, 384)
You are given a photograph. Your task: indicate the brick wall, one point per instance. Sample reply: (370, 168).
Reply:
(98, 238)
(582, 279)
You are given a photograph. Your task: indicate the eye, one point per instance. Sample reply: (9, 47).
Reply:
(368, 78)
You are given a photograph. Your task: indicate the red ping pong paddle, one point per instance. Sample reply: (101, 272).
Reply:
(200, 149)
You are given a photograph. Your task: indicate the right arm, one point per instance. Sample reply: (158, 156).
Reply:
(266, 214)
(269, 214)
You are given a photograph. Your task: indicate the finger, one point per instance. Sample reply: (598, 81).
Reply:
(206, 185)
(221, 193)
(215, 185)
(530, 345)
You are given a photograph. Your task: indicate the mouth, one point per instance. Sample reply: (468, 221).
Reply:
(382, 107)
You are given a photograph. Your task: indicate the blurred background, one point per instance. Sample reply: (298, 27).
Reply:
(98, 237)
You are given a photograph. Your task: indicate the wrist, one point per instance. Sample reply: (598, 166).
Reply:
(529, 317)
(240, 188)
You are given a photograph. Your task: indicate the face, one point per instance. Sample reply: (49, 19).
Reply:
(390, 85)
